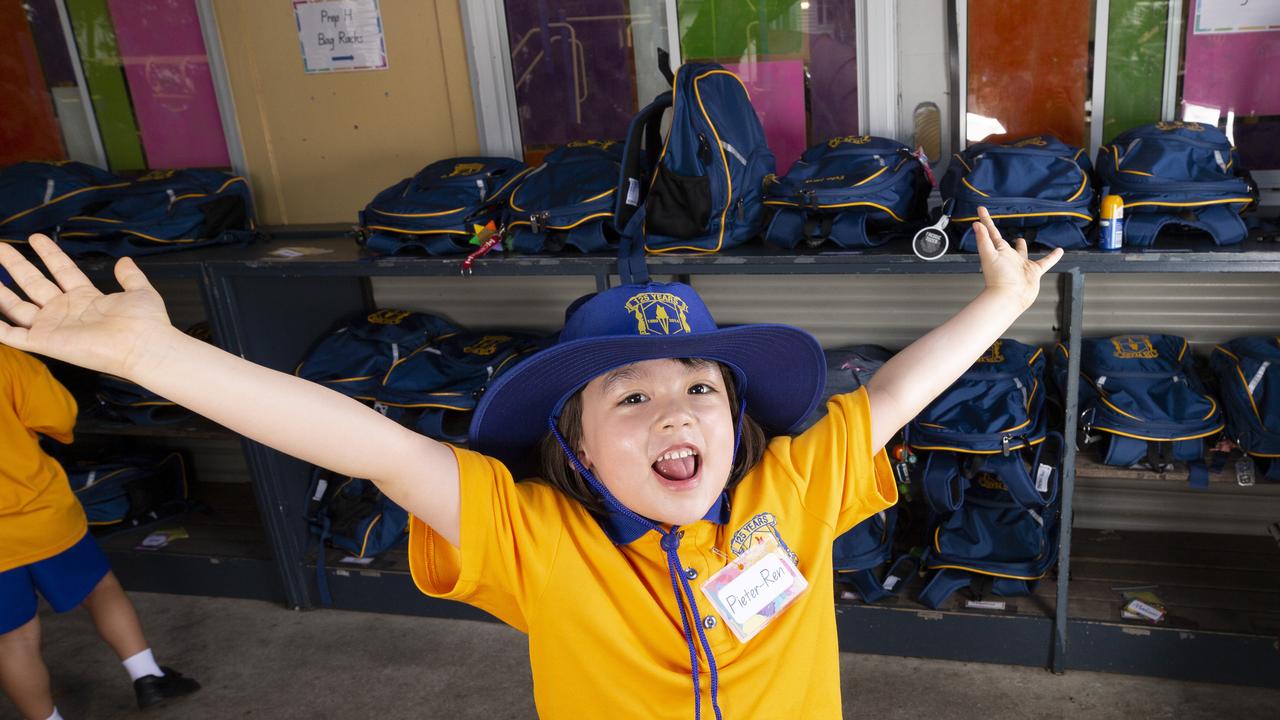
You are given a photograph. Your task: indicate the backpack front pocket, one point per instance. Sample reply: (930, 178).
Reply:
(679, 206)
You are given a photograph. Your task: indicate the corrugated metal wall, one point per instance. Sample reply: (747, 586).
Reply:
(894, 310)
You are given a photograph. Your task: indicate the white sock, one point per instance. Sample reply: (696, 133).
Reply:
(142, 665)
(56, 715)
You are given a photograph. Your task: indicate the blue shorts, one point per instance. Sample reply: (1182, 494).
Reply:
(65, 580)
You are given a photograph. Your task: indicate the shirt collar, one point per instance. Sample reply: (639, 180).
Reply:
(622, 530)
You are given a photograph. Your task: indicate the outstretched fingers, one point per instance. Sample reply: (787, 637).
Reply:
(15, 337)
(130, 276)
(61, 267)
(1049, 260)
(38, 288)
(18, 311)
(984, 220)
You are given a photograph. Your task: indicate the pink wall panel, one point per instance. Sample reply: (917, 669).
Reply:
(169, 81)
(777, 93)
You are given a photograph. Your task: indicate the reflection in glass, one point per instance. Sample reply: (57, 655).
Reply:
(582, 68)
(1029, 67)
(797, 59)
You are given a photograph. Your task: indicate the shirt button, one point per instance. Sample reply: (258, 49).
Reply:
(709, 622)
(690, 573)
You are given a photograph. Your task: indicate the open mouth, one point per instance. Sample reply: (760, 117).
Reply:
(678, 465)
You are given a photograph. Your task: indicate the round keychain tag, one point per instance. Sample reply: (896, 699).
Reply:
(931, 243)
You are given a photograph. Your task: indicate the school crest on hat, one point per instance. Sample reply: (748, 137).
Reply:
(659, 313)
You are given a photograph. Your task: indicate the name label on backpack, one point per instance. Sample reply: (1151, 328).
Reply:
(754, 588)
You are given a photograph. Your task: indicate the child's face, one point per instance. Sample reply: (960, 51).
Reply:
(659, 435)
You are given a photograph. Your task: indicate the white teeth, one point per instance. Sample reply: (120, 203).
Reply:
(677, 454)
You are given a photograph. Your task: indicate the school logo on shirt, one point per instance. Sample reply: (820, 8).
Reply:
(659, 313)
(755, 531)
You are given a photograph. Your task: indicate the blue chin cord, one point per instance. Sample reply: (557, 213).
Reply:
(670, 543)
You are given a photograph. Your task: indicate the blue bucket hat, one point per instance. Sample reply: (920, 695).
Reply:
(780, 370)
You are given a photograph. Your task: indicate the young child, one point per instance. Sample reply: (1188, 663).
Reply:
(45, 545)
(651, 427)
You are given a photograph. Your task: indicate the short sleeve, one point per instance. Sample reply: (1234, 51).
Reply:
(42, 403)
(839, 478)
(509, 536)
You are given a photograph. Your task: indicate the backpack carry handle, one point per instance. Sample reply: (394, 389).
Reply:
(664, 66)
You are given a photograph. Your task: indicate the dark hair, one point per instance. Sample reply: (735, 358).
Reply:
(560, 473)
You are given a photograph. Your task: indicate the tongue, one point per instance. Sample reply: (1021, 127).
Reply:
(679, 469)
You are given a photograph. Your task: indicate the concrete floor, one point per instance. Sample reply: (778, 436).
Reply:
(257, 660)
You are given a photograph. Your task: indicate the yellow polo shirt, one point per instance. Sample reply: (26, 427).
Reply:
(39, 515)
(604, 630)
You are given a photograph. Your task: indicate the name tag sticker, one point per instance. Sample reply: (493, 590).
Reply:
(754, 588)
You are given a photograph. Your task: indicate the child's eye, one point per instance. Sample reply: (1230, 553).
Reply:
(633, 399)
(701, 389)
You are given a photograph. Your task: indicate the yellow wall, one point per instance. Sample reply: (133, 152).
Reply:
(319, 146)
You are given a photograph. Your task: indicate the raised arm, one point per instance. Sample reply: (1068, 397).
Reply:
(129, 334)
(914, 377)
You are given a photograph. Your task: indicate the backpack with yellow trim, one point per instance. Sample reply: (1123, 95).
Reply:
(700, 189)
(567, 201)
(352, 515)
(40, 196)
(1173, 174)
(1142, 403)
(161, 211)
(435, 211)
(988, 469)
(1250, 392)
(1037, 187)
(854, 191)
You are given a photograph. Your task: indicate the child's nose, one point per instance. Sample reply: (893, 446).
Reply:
(675, 414)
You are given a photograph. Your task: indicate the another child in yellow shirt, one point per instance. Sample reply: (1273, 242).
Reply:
(674, 561)
(45, 546)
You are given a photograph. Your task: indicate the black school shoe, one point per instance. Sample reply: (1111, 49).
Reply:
(152, 690)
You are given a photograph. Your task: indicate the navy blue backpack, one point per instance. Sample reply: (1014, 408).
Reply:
(852, 191)
(40, 196)
(1176, 174)
(435, 211)
(702, 189)
(990, 485)
(1142, 403)
(161, 211)
(445, 378)
(567, 201)
(355, 358)
(1037, 187)
(131, 490)
(353, 515)
(1250, 392)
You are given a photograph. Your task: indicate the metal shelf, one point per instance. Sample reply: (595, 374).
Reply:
(195, 429)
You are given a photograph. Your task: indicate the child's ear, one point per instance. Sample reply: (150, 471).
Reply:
(584, 458)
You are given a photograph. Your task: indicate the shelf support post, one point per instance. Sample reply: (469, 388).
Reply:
(1071, 286)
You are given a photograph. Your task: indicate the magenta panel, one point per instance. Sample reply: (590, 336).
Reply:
(777, 93)
(169, 82)
(1222, 70)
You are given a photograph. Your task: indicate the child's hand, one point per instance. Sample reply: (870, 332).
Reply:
(1007, 269)
(72, 320)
